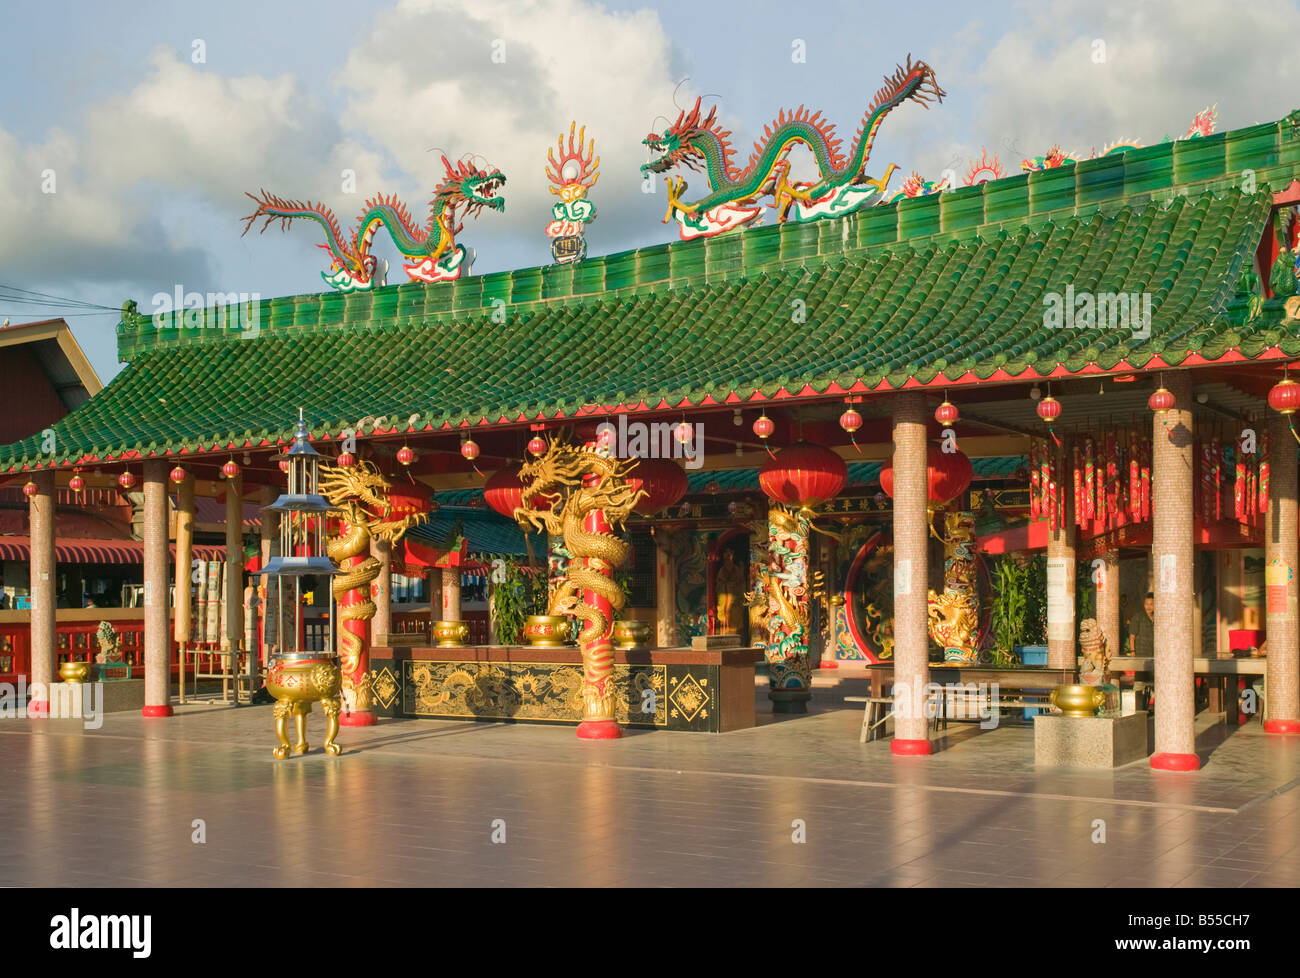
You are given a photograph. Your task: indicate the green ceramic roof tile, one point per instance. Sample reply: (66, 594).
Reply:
(893, 300)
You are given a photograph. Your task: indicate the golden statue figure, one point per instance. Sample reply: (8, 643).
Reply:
(729, 592)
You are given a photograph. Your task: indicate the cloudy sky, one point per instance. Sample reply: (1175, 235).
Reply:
(154, 118)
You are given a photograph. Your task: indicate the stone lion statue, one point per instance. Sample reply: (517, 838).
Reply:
(1094, 658)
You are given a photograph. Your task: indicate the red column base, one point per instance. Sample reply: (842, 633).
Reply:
(1270, 726)
(38, 708)
(909, 748)
(1175, 762)
(829, 664)
(156, 711)
(599, 730)
(358, 718)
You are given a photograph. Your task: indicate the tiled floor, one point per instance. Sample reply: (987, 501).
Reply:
(416, 803)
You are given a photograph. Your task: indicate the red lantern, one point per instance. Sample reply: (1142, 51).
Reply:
(850, 421)
(1048, 408)
(1284, 398)
(177, 475)
(662, 479)
(504, 493)
(405, 455)
(1161, 400)
(284, 465)
(408, 500)
(537, 446)
(803, 475)
(763, 426)
(946, 413)
(347, 460)
(947, 474)
(126, 480)
(684, 432)
(76, 483)
(30, 490)
(230, 469)
(469, 449)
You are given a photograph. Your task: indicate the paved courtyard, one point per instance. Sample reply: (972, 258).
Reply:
(418, 802)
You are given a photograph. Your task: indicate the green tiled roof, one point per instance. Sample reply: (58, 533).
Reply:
(485, 531)
(945, 289)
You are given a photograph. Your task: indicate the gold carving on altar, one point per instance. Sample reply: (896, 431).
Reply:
(689, 697)
(384, 686)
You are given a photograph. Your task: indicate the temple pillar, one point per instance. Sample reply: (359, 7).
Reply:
(1282, 681)
(1173, 557)
(234, 569)
(665, 592)
(1061, 564)
(265, 584)
(157, 636)
(40, 509)
(911, 575)
(1107, 591)
(382, 591)
(451, 594)
(184, 622)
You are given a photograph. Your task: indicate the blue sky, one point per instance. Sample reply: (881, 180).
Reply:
(153, 149)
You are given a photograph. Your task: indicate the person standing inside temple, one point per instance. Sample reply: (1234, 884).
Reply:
(1142, 629)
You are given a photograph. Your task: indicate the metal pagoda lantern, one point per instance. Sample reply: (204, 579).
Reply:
(296, 677)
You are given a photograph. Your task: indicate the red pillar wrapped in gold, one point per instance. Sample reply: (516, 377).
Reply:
(357, 571)
(598, 646)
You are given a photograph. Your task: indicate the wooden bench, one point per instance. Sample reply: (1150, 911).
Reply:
(1021, 700)
(878, 710)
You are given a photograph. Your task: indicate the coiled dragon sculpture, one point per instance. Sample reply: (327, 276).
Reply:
(430, 251)
(592, 498)
(735, 195)
(359, 497)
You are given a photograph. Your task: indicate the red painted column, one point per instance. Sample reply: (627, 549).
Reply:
(157, 633)
(354, 644)
(598, 652)
(911, 574)
(1282, 680)
(1173, 554)
(40, 509)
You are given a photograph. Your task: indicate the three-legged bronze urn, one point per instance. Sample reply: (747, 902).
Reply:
(296, 680)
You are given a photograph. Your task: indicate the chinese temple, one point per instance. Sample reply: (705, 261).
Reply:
(821, 436)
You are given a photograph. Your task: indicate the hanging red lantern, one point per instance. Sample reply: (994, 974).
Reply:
(803, 474)
(284, 465)
(504, 493)
(30, 489)
(1161, 400)
(850, 421)
(469, 449)
(763, 426)
(126, 480)
(946, 413)
(347, 460)
(537, 446)
(1284, 398)
(663, 480)
(230, 469)
(405, 456)
(1048, 408)
(947, 475)
(684, 432)
(76, 483)
(177, 475)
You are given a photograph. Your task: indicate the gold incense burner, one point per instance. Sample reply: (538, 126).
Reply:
(74, 672)
(296, 680)
(450, 634)
(630, 635)
(1078, 701)
(547, 631)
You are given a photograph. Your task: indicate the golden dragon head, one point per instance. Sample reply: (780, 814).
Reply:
(359, 494)
(575, 476)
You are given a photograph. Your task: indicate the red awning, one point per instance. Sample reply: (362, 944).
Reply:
(70, 551)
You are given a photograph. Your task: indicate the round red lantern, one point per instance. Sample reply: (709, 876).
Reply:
(763, 426)
(469, 449)
(177, 475)
(946, 413)
(1048, 408)
(663, 480)
(76, 483)
(537, 446)
(126, 480)
(30, 489)
(947, 474)
(230, 469)
(850, 421)
(504, 493)
(347, 460)
(1284, 398)
(803, 475)
(684, 432)
(284, 465)
(405, 456)
(1161, 400)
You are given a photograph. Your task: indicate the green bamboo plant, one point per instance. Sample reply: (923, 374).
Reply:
(1011, 581)
(520, 594)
